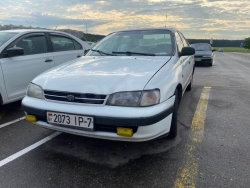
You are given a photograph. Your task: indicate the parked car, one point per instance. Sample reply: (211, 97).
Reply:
(220, 50)
(128, 88)
(24, 54)
(91, 43)
(203, 54)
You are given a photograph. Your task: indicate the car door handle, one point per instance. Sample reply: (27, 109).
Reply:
(48, 60)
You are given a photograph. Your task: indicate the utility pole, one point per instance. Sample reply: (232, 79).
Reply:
(86, 24)
(166, 21)
(29, 24)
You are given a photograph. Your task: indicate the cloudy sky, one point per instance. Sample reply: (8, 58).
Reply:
(217, 19)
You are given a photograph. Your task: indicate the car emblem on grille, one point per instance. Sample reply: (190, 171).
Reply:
(70, 97)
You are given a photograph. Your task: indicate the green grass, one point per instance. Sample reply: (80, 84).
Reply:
(231, 49)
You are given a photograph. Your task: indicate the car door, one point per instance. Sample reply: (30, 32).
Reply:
(184, 61)
(19, 71)
(190, 59)
(65, 48)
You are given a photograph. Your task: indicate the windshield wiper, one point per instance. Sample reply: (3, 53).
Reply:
(128, 53)
(101, 52)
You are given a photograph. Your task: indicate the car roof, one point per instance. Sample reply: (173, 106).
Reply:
(173, 29)
(201, 43)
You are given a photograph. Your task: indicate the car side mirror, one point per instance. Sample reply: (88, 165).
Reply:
(86, 51)
(12, 52)
(186, 51)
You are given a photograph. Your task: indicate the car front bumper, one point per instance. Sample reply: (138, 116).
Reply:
(147, 122)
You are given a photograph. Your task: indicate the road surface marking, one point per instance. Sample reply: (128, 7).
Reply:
(26, 150)
(14, 121)
(186, 176)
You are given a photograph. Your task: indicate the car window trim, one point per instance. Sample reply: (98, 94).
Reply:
(22, 37)
(182, 37)
(49, 42)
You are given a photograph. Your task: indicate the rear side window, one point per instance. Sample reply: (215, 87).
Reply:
(179, 42)
(33, 45)
(157, 42)
(61, 43)
(77, 45)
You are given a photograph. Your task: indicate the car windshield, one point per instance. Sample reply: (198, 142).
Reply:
(201, 47)
(5, 36)
(135, 43)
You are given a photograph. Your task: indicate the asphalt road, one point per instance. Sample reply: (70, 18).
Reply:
(220, 159)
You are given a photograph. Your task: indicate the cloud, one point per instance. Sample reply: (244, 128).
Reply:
(195, 18)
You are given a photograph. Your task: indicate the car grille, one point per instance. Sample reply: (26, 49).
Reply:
(86, 98)
(198, 56)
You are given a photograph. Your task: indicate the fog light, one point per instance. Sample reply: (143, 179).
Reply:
(31, 118)
(124, 131)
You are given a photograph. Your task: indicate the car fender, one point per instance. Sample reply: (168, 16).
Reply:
(4, 96)
(167, 79)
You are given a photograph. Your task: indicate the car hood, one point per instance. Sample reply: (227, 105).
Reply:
(203, 53)
(102, 75)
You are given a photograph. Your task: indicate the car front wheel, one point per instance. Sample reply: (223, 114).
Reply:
(173, 128)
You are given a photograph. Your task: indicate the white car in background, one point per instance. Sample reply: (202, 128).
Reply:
(24, 54)
(127, 87)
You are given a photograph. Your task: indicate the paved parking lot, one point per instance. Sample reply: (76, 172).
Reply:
(211, 153)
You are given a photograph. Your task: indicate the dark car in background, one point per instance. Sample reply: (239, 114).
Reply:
(203, 54)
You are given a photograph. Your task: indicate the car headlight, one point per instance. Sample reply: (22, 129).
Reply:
(135, 98)
(35, 91)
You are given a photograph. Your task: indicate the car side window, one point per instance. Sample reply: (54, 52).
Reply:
(77, 45)
(179, 42)
(183, 39)
(33, 45)
(61, 43)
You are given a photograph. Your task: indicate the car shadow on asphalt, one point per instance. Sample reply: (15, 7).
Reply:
(106, 152)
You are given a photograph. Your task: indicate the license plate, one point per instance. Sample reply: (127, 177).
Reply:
(71, 120)
(197, 59)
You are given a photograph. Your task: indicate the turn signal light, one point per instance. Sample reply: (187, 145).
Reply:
(31, 118)
(124, 131)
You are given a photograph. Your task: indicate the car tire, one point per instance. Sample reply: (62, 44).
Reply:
(189, 87)
(173, 129)
(210, 64)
